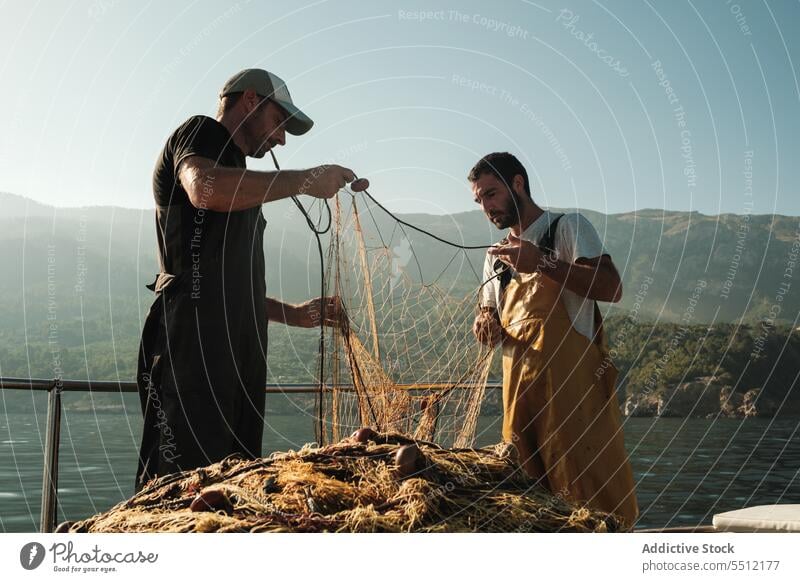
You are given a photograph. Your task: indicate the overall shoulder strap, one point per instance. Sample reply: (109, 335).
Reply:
(505, 273)
(548, 240)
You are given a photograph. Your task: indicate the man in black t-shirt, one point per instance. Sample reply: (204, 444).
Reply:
(202, 357)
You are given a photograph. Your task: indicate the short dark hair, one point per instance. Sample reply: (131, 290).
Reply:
(504, 166)
(230, 100)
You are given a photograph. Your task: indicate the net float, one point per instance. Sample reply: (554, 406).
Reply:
(364, 435)
(212, 500)
(64, 526)
(359, 185)
(408, 461)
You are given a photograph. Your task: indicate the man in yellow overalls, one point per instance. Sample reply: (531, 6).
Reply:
(559, 395)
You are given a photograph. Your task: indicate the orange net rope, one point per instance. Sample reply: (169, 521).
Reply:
(404, 359)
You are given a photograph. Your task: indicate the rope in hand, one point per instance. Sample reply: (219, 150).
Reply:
(418, 229)
(498, 272)
(318, 232)
(320, 428)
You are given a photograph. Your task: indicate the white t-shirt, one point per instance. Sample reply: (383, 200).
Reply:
(575, 238)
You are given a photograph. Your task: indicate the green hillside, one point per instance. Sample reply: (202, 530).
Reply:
(72, 295)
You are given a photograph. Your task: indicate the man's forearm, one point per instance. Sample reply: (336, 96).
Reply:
(280, 312)
(225, 189)
(585, 280)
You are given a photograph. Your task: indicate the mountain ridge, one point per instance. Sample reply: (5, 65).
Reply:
(641, 212)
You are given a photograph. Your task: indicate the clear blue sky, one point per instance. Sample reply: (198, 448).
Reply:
(91, 88)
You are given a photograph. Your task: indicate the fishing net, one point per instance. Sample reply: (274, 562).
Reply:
(351, 486)
(404, 359)
(402, 362)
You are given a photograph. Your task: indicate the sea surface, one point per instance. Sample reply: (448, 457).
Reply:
(686, 469)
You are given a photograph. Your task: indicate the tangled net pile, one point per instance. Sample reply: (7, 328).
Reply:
(387, 484)
(404, 363)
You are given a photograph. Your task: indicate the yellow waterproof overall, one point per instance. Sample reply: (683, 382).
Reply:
(560, 401)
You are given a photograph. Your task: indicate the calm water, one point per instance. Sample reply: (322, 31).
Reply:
(686, 470)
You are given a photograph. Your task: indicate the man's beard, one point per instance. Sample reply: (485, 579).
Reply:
(261, 151)
(261, 142)
(510, 215)
(263, 147)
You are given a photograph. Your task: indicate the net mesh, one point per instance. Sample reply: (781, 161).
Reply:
(403, 359)
(404, 363)
(350, 487)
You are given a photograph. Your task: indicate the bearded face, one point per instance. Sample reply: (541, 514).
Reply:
(264, 128)
(499, 203)
(508, 215)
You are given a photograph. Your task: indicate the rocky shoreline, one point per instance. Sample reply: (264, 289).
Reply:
(705, 397)
(701, 398)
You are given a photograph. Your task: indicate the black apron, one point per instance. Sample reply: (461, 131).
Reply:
(202, 357)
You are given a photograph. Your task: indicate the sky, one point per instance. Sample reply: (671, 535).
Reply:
(612, 106)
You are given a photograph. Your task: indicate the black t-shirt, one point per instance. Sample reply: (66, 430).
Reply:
(197, 136)
(214, 258)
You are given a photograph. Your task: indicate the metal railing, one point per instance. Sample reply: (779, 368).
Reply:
(54, 389)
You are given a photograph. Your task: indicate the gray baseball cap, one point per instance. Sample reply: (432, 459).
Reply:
(269, 85)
